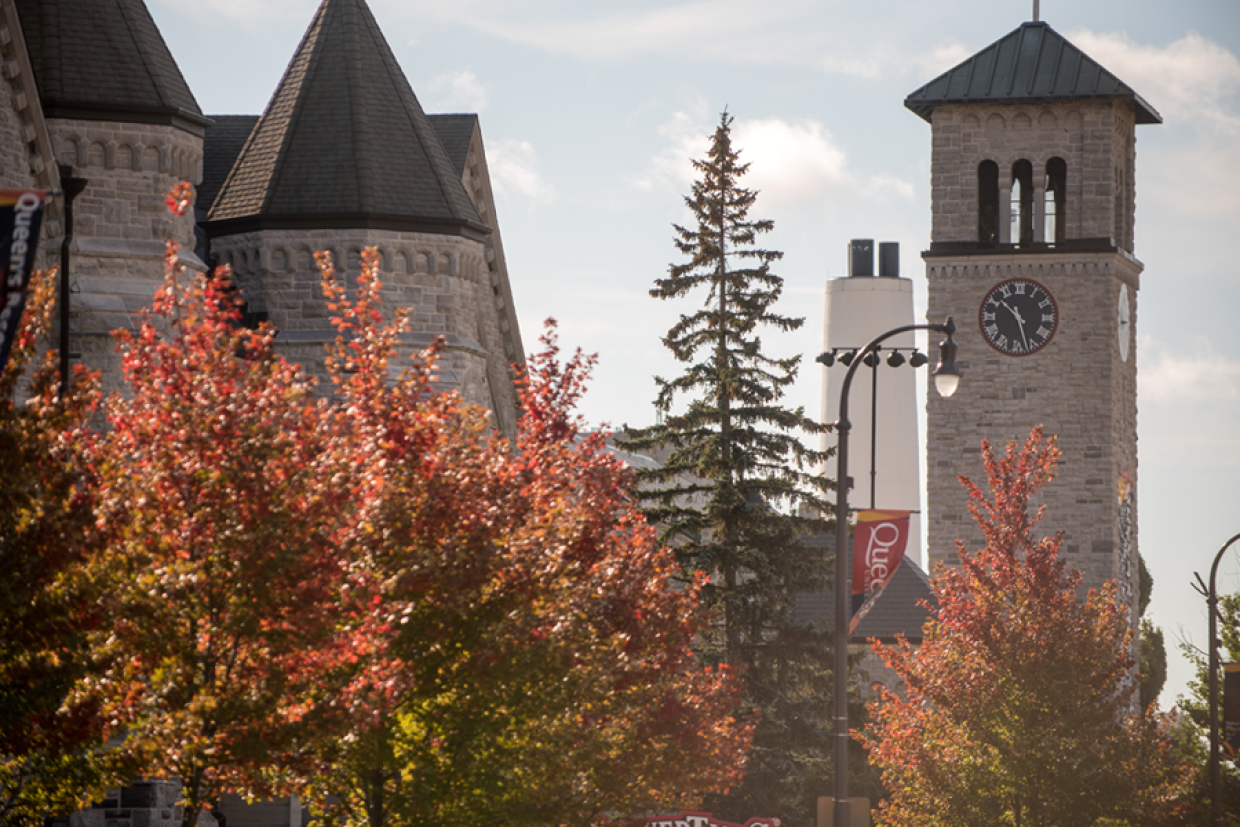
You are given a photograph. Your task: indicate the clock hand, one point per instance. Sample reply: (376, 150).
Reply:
(1019, 321)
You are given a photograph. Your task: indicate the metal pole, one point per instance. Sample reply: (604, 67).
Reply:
(1216, 793)
(874, 426)
(842, 614)
(71, 187)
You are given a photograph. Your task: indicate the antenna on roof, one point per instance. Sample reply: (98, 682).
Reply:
(1035, 11)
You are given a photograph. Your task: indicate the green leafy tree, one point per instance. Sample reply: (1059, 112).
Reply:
(733, 481)
(1193, 740)
(46, 751)
(1019, 702)
(1151, 647)
(529, 661)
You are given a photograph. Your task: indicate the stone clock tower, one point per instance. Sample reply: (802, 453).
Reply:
(1033, 173)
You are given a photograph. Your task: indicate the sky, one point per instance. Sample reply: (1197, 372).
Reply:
(591, 112)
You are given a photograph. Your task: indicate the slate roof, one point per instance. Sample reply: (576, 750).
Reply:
(221, 145)
(105, 60)
(1033, 64)
(344, 143)
(896, 612)
(455, 132)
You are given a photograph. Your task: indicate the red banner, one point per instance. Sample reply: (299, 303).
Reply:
(878, 548)
(688, 819)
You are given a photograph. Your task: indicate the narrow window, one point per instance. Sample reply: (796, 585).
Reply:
(1022, 203)
(988, 202)
(1056, 200)
(1121, 199)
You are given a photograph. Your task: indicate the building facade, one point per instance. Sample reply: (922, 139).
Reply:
(1032, 253)
(94, 94)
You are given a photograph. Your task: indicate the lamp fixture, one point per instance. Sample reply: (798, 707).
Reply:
(947, 373)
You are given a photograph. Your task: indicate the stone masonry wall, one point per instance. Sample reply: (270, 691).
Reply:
(1095, 138)
(444, 280)
(121, 224)
(1077, 388)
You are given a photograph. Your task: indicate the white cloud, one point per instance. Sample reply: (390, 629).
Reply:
(721, 27)
(1201, 374)
(1193, 79)
(793, 164)
(456, 92)
(515, 170)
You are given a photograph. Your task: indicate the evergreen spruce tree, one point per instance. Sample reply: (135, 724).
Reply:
(734, 483)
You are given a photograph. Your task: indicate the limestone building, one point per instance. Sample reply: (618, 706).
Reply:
(1032, 252)
(343, 158)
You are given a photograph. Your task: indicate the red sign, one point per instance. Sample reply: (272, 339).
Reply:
(878, 548)
(706, 820)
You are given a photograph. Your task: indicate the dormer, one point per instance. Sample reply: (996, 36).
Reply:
(1034, 149)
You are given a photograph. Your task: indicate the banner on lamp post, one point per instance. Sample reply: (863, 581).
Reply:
(878, 548)
(1231, 709)
(21, 216)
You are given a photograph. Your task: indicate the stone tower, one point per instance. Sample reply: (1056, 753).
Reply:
(344, 158)
(117, 113)
(1033, 172)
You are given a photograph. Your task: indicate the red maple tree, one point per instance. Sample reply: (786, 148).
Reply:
(1019, 706)
(530, 660)
(45, 518)
(219, 569)
(369, 595)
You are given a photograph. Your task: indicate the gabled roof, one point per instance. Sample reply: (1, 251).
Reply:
(344, 143)
(895, 612)
(1033, 64)
(105, 60)
(222, 143)
(455, 132)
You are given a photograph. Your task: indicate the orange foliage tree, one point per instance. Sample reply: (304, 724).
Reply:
(531, 661)
(369, 598)
(219, 572)
(1020, 704)
(45, 519)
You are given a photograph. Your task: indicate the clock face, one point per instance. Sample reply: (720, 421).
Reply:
(1125, 323)
(1018, 317)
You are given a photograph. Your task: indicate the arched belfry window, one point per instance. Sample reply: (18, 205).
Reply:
(1056, 200)
(1022, 203)
(988, 202)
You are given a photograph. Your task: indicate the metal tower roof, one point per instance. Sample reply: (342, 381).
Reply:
(1033, 64)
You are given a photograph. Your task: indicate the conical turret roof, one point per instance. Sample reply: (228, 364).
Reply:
(1033, 64)
(344, 143)
(105, 60)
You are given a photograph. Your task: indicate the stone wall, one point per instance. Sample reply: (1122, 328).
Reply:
(1077, 388)
(1095, 138)
(443, 280)
(120, 226)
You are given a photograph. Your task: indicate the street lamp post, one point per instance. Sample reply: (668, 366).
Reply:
(1216, 794)
(946, 378)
